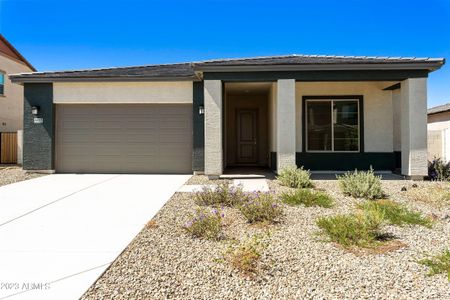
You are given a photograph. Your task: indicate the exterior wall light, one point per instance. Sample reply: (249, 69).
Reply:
(35, 110)
(201, 110)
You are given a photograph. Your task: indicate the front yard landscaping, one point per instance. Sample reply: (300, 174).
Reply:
(303, 239)
(12, 174)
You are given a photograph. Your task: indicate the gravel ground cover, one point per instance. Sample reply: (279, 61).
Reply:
(13, 174)
(163, 262)
(202, 179)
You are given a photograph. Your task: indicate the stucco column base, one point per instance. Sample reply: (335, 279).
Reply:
(415, 178)
(285, 103)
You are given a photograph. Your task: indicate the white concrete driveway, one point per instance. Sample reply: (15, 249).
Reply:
(59, 233)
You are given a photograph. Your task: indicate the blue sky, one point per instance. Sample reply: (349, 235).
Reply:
(60, 34)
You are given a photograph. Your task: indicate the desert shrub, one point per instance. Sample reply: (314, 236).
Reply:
(437, 194)
(438, 170)
(205, 224)
(295, 177)
(361, 184)
(261, 207)
(308, 198)
(361, 229)
(245, 256)
(438, 264)
(396, 214)
(221, 195)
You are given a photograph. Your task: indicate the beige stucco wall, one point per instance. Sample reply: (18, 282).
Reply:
(11, 104)
(439, 125)
(439, 136)
(397, 120)
(435, 144)
(439, 139)
(122, 92)
(378, 110)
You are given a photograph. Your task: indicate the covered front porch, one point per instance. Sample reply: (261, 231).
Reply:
(323, 125)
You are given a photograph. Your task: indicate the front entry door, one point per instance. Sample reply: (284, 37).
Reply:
(247, 133)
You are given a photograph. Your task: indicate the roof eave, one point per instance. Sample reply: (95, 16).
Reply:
(429, 66)
(22, 58)
(438, 112)
(29, 79)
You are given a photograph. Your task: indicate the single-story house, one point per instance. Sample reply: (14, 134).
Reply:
(320, 112)
(11, 102)
(439, 132)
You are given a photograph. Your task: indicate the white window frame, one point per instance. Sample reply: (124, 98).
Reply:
(331, 100)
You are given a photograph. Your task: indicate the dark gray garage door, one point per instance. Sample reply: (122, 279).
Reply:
(120, 138)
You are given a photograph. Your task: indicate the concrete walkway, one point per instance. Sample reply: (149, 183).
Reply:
(59, 233)
(248, 185)
(252, 185)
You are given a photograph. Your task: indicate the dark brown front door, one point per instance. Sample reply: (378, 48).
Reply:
(247, 132)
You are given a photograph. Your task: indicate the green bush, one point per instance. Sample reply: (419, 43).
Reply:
(438, 264)
(438, 170)
(205, 224)
(396, 214)
(261, 207)
(307, 198)
(360, 184)
(222, 195)
(360, 229)
(295, 177)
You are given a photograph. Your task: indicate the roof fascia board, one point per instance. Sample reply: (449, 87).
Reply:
(438, 112)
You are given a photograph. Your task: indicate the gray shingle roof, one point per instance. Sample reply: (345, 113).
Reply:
(318, 59)
(439, 109)
(183, 70)
(186, 71)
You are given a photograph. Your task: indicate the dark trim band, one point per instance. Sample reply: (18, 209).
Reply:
(379, 161)
(348, 75)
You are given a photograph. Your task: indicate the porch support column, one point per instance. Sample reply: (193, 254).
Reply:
(213, 128)
(285, 123)
(413, 97)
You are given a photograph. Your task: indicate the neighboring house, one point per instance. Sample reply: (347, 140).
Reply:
(439, 132)
(320, 112)
(11, 95)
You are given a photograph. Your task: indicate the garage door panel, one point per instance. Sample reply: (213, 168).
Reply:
(124, 138)
(74, 125)
(138, 124)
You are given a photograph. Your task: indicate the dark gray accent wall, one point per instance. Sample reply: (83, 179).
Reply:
(273, 161)
(379, 161)
(398, 159)
(38, 139)
(198, 151)
(346, 75)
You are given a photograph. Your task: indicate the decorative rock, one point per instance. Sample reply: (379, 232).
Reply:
(166, 263)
